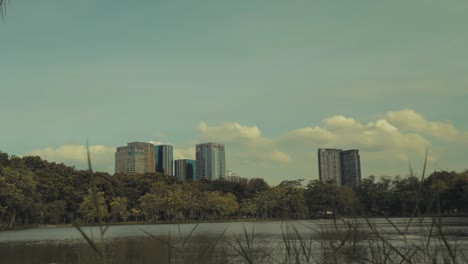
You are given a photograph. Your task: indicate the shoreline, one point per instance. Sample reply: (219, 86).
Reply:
(24, 227)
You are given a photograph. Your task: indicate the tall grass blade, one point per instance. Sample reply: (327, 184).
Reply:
(241, 250)
(88, 240)
(187, 238)
(94, 191)
(210, 246)
(418, 196)
(444, 239)
(386, 243)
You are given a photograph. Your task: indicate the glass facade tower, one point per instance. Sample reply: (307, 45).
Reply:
(210, 161)
(164, 159)
(185, 169)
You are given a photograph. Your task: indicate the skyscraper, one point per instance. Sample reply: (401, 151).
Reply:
(351, 167)
(185, 169)
(211, 161)
(329, 162)
(343, 167)
(135, 158)
(164, 159)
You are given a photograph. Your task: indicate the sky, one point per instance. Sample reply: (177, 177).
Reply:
(274, 80)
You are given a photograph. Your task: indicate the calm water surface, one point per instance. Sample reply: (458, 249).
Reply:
(178, 244)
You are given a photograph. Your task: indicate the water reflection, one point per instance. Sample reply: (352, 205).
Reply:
(264, 242)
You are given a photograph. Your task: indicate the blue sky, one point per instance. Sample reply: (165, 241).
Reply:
(273, 80)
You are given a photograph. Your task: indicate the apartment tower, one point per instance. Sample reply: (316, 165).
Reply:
(135, 158)
(351, 167)
(210, 161)
(329, 162)
(342, 167)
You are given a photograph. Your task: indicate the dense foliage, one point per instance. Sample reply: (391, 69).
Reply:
(35, 191)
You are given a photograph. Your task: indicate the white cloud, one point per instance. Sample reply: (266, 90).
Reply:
(343, 132)
(308, 136)
(102, 157)
(245, 140)
(384, 148)
(279, 156)
(231, 133)
(184, 152)
(410, 120)
(341, 122)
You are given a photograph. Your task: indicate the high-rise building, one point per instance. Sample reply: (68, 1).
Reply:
(185, 169)
(351, 167)
(211, 161)
(342, 167)
(329, 162)
(164, 159)
(135, 158)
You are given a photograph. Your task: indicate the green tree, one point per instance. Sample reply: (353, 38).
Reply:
(295, 202)
(227, 205)
(150, 205)
(321, 198)
(450, 189)
(217, 205)
(55, 212)
(4, 159)
(135, 213)
(88, 209)
(376, 197)
(248, 207)
(405, 195)
(325, 198)
(119, 209)
(17, 193)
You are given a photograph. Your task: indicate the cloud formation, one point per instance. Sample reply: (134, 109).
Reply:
(410, 120)
(386, 145)
(102, 157)
(345, 132)
(246, 140)
(231, 133)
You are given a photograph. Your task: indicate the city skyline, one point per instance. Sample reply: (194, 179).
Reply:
(272, 80)
(142, 157)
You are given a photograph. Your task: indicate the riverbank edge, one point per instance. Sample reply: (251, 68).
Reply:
(247, 220)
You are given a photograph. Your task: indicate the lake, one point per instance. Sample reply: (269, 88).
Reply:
(308, 241)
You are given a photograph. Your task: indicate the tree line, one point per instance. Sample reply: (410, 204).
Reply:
(35, 191)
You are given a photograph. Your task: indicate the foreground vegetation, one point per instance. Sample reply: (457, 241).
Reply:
(35, 191)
